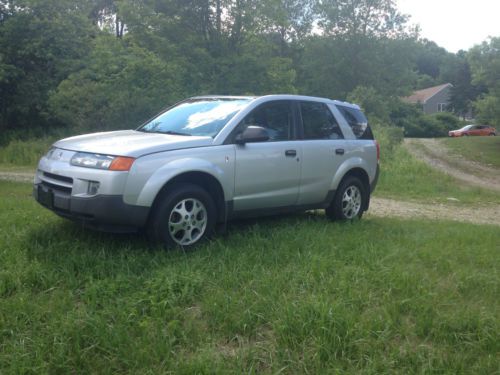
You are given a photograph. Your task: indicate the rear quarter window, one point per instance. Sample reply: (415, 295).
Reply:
(357, 121)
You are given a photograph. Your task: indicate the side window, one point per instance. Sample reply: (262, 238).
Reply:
(275, 117)
(319, 122)
(357, 121)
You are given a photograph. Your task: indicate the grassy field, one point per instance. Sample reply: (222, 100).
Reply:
(404, 177)
(289, 295)
(485, 150)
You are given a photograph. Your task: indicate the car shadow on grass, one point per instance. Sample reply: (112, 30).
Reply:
(59, 239)
(74, 252)
(64, 236)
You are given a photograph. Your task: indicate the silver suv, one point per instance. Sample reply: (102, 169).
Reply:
(210, 159)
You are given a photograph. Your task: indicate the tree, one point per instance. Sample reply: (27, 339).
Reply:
(120, 86)
(291, 20)
(366, 18)
(485, 65)
(463, 92)
(42, 41)
(333, 67)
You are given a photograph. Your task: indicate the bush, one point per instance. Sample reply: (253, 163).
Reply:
(419, 125)
(389, 137)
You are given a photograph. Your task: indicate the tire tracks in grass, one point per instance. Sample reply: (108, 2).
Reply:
(434, 153)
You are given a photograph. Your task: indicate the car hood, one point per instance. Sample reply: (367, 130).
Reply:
(130, 143)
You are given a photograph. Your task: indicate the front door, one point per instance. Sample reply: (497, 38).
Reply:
(268, 173)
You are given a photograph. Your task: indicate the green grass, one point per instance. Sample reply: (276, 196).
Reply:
(404, 177)
(292, 295)
(484, 150)
(24, 153)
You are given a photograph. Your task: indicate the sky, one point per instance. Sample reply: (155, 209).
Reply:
(454, 24)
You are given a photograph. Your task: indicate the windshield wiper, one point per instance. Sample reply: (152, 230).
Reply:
(170, 132)
(174, 133)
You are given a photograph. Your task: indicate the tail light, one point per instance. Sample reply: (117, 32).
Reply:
(378, 150)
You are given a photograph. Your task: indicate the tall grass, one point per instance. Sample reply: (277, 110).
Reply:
(24, 153)
(280, 295)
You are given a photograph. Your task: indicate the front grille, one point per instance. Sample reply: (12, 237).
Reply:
(57, 182)
(58, 177)
(63, 189)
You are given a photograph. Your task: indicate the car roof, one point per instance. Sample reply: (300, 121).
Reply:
(281, 97)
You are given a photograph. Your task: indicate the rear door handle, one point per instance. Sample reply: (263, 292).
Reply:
(291, 152)
(339, 151)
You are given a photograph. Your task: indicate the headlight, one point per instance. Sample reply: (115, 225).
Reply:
(49, 153)
(97, 161)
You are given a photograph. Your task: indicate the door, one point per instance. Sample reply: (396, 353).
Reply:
(323, 151)
(267, 173)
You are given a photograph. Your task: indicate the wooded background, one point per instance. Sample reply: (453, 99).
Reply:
(110, 64)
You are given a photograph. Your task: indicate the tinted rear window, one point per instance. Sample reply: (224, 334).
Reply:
(357, 121)
(319, 122)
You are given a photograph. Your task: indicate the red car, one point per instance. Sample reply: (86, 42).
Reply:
(473, 130)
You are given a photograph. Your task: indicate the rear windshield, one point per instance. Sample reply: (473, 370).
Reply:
(201, 117)
(357, 121)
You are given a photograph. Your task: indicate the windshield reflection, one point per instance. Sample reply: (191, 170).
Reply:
(201, 117)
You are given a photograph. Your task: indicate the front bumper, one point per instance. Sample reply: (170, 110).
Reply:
(102, 212)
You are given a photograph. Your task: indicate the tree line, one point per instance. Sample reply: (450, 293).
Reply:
(110, 64)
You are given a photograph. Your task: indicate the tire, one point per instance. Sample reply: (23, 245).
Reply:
(349, 200)
(184, 217)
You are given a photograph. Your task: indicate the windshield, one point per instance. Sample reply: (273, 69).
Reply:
(202, 117)
(467, 127)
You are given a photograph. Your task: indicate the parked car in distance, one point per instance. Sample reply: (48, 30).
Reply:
(473, 130)
(207, 160)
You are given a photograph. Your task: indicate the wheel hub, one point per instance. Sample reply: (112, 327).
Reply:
(187, 221)
(351, 202)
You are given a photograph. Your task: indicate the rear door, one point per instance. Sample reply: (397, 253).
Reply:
(267, 173)
(323, 150)
(475, 130)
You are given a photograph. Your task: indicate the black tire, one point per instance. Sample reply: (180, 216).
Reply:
(171, 229)
(344, 209)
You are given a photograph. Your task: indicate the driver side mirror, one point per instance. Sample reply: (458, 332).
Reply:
(252, 133)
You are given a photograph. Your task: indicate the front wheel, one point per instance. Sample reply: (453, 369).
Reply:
(349, 200)
(185, 216)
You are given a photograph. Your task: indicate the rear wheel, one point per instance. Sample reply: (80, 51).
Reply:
(184, 217)
(349, 200)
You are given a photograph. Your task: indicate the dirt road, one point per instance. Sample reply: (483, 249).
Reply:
(382, 207)
(434, 153)
(16, 176)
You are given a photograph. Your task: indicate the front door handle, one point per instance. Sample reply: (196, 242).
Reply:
(339, 151)
(291, 152)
